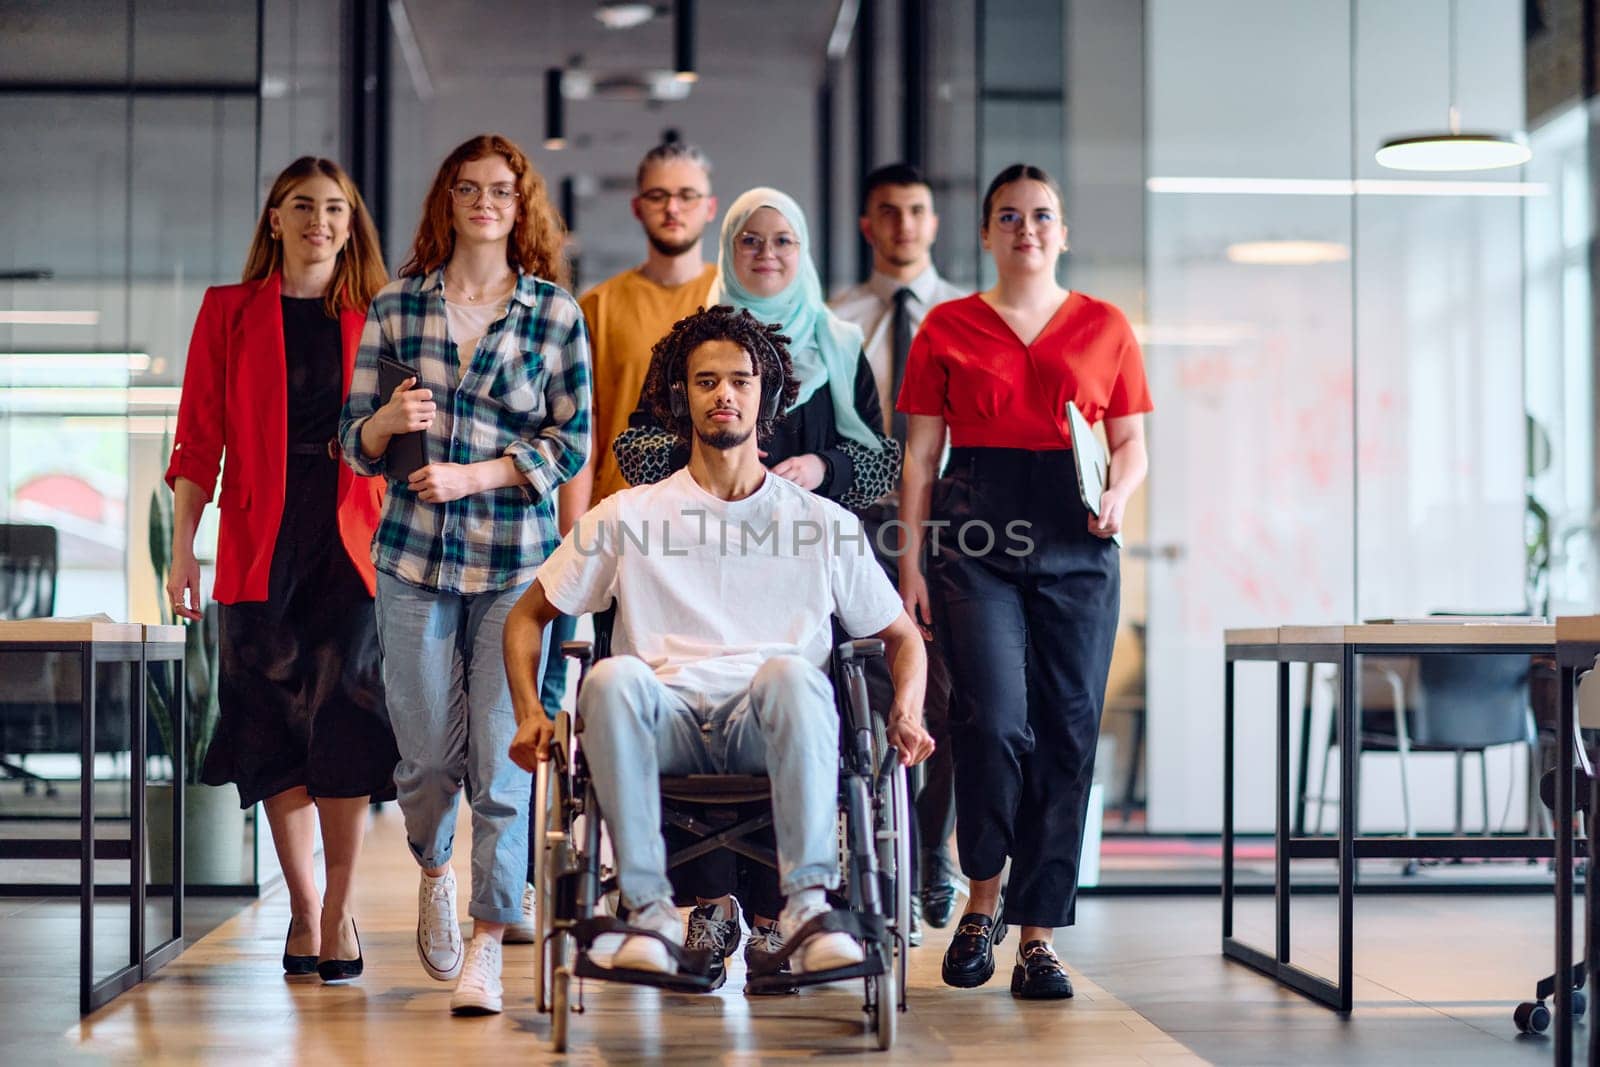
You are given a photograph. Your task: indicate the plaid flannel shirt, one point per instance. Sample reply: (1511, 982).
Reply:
(525, 394)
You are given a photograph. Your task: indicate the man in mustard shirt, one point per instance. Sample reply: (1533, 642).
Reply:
(628, 313)
(626, 316)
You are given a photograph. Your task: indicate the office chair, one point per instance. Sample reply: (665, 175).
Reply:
(1449, 703)
(28, 556)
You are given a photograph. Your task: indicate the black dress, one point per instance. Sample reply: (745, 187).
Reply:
(299, 684)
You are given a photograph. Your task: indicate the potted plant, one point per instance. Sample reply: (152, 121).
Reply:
(213, 823)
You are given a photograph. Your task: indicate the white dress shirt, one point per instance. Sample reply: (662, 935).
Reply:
(870, 305)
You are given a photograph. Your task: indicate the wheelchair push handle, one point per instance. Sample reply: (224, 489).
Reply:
(863, 648)
(582, 651)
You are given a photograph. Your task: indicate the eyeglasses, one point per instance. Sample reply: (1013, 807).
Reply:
(1011, 221)
(659, 198)
(754, 244)
(501, 194)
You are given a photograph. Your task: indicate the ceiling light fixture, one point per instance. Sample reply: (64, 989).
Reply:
(683, 41)
(1287, 253)
(1453, 150)
(555, 137)
(624, 14)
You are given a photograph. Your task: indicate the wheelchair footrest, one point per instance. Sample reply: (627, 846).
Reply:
(871, 930)
(682, 982)
(693, 964)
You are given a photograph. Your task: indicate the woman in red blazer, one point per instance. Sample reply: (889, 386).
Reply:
(304, 724)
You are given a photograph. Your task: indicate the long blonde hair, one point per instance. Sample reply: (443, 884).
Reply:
(537, 238)
(359, 272)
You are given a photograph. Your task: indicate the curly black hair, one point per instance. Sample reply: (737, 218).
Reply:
(669, 363)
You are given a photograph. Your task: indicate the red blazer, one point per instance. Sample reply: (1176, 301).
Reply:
(235, 400)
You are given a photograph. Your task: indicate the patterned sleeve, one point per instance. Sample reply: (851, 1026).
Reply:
(647, 453)
(877, 471)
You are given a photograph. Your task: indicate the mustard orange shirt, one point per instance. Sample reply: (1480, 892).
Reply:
(627, 314)
(968, 366)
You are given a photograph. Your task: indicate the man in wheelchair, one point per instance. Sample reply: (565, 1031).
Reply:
(726, 579)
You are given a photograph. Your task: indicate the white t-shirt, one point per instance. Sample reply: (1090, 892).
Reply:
(709, 589)
(469, 322)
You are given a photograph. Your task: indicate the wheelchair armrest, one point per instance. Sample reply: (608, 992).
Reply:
(582, 651)
(859, 649)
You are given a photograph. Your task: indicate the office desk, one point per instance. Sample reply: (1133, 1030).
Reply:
(93, 644)
(1577, 645)
(1341, 645)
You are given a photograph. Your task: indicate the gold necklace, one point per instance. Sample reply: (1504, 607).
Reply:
(459, 288)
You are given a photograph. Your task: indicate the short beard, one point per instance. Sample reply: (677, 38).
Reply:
(723, 440)
(672, 249)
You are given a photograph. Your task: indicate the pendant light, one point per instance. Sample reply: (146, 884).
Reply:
(555, 137)
(683, 41)
(1453, 149)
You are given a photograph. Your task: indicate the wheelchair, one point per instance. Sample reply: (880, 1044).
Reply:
(873, 902)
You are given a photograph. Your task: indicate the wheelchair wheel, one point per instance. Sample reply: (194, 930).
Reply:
(560, 1008)
(539, 819)
(886, 1017)
(898, 862)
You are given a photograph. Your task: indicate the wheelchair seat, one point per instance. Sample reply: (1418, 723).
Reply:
(717, 788)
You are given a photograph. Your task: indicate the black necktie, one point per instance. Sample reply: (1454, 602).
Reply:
(901, 336)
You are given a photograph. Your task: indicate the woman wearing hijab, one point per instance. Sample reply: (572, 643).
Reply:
(828, 442)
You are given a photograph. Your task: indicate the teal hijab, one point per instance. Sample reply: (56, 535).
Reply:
(824, 348)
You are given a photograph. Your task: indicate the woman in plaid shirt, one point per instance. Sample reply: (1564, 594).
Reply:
(499, 387)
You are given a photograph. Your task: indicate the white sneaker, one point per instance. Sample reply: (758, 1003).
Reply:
(821, 951)
(525, 931)
(646, 953)
(478, 991)
(438, 927)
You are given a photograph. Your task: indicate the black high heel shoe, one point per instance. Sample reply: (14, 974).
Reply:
(296, 966)
(342, 970)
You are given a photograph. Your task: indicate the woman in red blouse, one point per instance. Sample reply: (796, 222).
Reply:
(1022, 580)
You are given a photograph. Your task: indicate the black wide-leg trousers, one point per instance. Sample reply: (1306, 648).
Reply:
(1025, 603)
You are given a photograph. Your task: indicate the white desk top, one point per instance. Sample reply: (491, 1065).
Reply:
(1515, 634)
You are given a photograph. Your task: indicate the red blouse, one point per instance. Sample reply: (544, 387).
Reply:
(968, 366)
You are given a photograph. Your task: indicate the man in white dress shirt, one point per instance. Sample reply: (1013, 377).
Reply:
(898, 221)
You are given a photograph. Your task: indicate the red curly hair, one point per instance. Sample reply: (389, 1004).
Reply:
(537, 240)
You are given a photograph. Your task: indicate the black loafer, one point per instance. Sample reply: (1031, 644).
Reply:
(969, 961)
(296, 966)
(939, 904)
(342, 970)
(1040, 975)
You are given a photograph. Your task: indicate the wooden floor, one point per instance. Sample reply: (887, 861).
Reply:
(226, 1001)
(1437, 978)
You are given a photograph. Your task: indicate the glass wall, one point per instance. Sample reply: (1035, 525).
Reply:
(1339, 349)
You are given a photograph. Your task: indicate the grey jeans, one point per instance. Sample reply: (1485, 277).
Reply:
(636, 728)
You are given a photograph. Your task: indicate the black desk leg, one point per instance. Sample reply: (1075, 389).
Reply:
(1305, 757)
(1349, 755)
(1565, 739)
(86, 673)
(1591, 912)
(136, 828)
(1280, 876)
(1227, 802)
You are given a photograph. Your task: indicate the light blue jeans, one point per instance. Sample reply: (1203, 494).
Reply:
(445, 679)
(635, 728)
